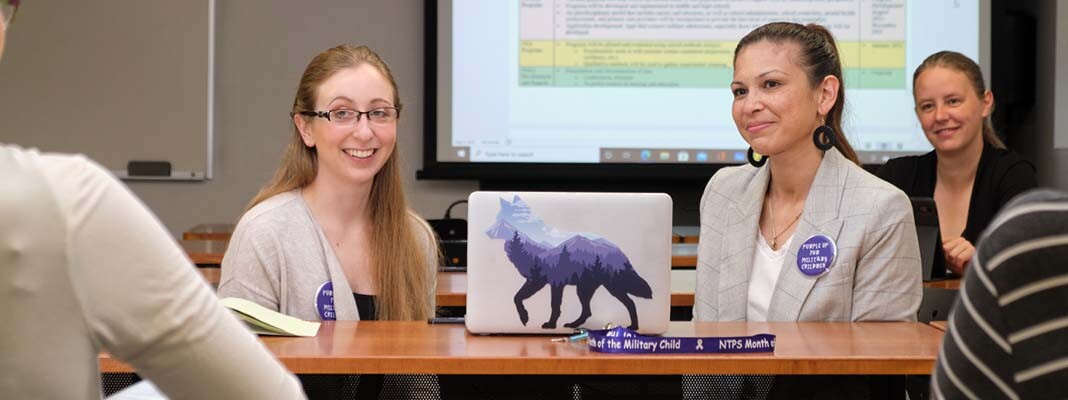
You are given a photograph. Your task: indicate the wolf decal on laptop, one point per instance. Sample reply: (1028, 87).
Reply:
(549, 262)
(545, 256)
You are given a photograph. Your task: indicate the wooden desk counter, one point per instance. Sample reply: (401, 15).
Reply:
(209, 232)
(684, 255)
(212, 275)
(201, 243)
(452, 288)
(387, 347)
(685, 234)
(205, 252)
(211, 251)
(952, 284)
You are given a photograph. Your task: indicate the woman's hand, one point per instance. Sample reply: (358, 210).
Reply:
(958, 252)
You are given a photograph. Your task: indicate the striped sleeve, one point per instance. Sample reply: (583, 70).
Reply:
(1008, 332)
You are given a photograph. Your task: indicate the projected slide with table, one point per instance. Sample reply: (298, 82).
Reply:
(690, 44)
(603, 81)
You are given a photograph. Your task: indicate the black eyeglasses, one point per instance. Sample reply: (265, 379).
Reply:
(347, 117)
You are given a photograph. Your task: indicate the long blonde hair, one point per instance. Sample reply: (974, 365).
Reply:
(397, 255)
(961, 63)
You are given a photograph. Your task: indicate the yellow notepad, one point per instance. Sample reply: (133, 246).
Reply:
(263, 321)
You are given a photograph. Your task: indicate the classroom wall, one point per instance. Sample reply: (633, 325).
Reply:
(262, 46)
(1059, 177)
(1048, 120)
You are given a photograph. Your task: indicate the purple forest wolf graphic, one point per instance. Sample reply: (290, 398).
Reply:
(547, 257)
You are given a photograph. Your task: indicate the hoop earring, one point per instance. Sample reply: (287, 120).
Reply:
(756, 159)
(824, 137)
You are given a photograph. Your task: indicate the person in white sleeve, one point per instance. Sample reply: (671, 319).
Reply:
(84, 266)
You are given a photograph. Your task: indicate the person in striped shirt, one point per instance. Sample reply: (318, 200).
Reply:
(1008, 332)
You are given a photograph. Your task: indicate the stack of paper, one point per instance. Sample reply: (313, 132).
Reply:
(263, 321)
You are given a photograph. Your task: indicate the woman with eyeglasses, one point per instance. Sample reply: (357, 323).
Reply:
(331, 237)
(84, 266)
(970, 174)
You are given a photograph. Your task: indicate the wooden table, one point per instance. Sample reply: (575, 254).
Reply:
(953, 284)
(683, 255)
(210, 251)
(211, 275)
(389, 347)
(209, 232)
(685, 234)
(683, 248)
(205, 252)
(452, 288)
(679, 234)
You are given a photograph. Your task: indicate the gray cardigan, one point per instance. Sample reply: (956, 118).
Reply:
(875, 275)
(279, 257)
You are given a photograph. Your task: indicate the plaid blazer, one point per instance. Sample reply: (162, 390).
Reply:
(875, 275)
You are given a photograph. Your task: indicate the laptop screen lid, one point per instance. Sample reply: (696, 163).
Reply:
(930, 238)
(550, 262)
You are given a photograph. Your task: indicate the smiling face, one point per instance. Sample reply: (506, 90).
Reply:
(351, 154)
(950, 110)
(776, 108)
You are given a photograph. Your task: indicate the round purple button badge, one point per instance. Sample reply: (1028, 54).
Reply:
(815, 256)
(324, 302)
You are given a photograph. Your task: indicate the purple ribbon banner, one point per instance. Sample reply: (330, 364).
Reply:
(623, 340)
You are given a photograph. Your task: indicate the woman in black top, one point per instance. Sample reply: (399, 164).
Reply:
(970, 174)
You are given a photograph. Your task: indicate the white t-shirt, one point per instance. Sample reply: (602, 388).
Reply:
(767, 264)
(84, 266)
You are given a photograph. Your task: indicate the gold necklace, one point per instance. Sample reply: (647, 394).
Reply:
(775, 239)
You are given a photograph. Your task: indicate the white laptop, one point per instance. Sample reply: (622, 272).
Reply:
(547, 263)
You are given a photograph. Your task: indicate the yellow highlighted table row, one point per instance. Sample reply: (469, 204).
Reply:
(604, 53)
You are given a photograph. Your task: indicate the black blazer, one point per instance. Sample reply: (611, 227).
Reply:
(1002, 174)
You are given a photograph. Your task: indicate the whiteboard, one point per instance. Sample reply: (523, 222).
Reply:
(117, 80)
